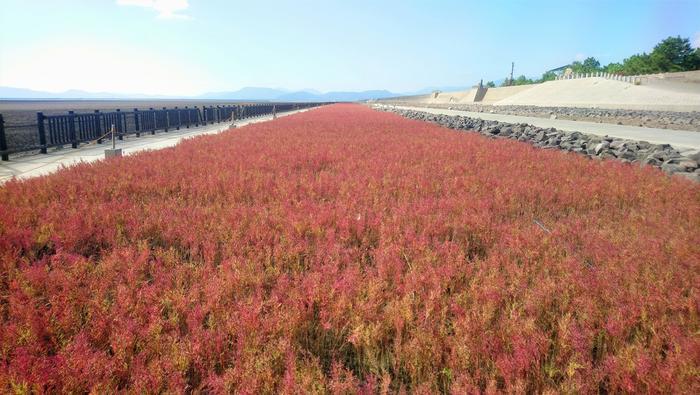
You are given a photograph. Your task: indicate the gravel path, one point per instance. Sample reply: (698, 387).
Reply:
(680, 139)
(650, 119)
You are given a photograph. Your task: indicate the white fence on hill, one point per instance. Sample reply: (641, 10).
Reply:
(632, 79)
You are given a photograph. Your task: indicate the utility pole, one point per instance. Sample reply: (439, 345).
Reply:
(512, 66)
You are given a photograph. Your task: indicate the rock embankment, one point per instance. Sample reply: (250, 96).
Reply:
(650, 119)
(663, 156)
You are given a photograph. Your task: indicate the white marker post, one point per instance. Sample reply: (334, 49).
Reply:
(114, 152)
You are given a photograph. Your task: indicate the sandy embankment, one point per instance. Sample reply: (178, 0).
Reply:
(587, 93)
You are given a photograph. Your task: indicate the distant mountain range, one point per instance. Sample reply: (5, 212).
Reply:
(247, 93)
(26, 94)
(270, 94)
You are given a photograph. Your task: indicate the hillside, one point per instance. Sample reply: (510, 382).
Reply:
(668, 92)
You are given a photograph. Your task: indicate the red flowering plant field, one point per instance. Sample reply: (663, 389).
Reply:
(346, 250)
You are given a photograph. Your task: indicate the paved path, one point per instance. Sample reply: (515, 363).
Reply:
(680, 139)
(39, 164)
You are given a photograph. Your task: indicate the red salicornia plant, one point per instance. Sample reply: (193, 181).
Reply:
(346, 250)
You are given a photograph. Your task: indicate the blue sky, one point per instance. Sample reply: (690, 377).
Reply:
(184, 47)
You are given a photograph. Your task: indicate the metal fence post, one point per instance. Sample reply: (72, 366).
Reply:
(153, 127)
(71, 129)
(167, 119)
(42, 131)
(98, 127)
(3, 141)
(187, 111)
(179, 118)
(119, 124)
(136, 122)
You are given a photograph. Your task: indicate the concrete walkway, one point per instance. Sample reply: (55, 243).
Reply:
(682, 140)
(40, 164)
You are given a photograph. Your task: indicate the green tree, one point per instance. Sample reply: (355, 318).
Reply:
(522, 80)
(576, 67)
(614, 68)
(589, 65)
(490, 84)
(671, 54)
(548, 76)
(675, 54)
(639, 64)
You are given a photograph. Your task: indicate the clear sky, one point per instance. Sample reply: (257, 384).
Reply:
(183, 47)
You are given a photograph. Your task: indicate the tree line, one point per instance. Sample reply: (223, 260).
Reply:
(670, 55)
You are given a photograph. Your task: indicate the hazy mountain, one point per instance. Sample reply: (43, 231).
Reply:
(309, 95)
(355, 96)
(270, 94)
(432, 89)
(21, 93)
(247, 93)
(300, 96)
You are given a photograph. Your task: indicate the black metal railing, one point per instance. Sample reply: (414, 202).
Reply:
(3, 140)
(76, 128)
